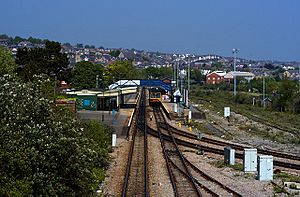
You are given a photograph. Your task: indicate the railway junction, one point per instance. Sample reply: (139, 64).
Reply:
(157, 158)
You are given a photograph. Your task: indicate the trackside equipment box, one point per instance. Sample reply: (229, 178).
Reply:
(229, 155)
(265, 168)
(250, 160)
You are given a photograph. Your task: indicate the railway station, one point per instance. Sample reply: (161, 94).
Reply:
(155, 119)
(142, 111)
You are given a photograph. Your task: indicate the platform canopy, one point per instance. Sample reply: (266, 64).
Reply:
(141, 83)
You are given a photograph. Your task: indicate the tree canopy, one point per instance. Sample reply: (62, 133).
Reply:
(44, 151)
(115, 53)
(48, 60)
(158, 73)
(7, 63)
(85, 73)
(121, 70)
(197, 75)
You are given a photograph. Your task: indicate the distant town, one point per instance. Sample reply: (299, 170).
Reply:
(142, 59)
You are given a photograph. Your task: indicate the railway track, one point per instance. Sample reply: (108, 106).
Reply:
(206, 183)
(182, 181)
(219, 150)
(233, 145)
(136, 176)
(209, 183)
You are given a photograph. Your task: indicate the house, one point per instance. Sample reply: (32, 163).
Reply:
(215, 77)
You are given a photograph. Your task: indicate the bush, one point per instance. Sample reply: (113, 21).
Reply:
(44, 151)
(242, 99)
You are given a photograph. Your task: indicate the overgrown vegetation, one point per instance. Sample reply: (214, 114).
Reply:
(48, 60)
(216, 100)
(286, 177)
(221, 164)
(45, 150)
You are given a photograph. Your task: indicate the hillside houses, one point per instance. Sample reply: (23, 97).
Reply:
(143, 59)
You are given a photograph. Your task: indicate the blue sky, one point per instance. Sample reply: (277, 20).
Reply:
(261, 29)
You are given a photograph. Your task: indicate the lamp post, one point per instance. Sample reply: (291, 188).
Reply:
(103, 101)
(264, 91)
(189, 73)
(189, 83)
(299, 77)
(234, 51)
(97, 81)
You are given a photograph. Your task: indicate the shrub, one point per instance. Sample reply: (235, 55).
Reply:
(44, 151)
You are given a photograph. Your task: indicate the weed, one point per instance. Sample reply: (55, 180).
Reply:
(278, 189)
(221, 164)
(286, 177)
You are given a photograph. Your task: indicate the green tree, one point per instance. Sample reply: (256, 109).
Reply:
(120, 70)
(85, 73)
(217, 65)
(78, 45)
(7, 63)
(158, 73)
(18, 39)
(197, 75)
(269, 66)
(44, 151)
(4, 36)
(67, 44)
(115, 53)
(35, 40)
(48, 60)
(286, 92)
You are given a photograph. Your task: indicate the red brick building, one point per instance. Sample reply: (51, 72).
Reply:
(215, 77)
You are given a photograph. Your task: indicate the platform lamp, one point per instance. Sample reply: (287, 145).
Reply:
(234, 51)
(103, 101)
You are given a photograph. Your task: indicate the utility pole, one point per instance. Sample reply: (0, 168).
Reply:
(189, 73)
(189, 78)
(103, 98)
(177, 85)
(234, 51)
(174, 75)
(264, 90)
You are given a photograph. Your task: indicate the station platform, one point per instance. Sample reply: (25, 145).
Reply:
(178, 112)
(119, 120)
(174, 111)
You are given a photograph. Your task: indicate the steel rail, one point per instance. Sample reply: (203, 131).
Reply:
(191, 178)
(206, 176)
(140, 124)
(220, 151)
(171, 174)
(196, 181)
(236, 146)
